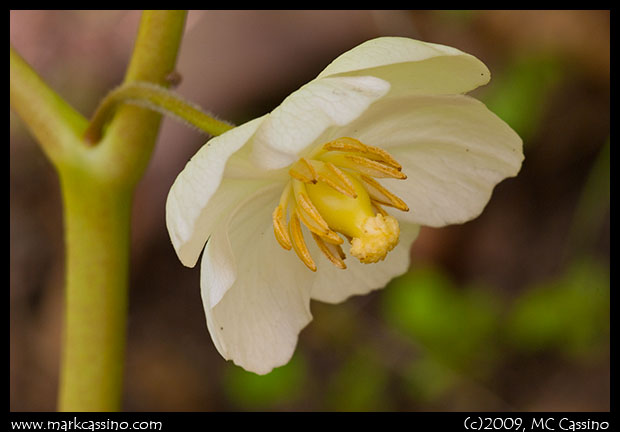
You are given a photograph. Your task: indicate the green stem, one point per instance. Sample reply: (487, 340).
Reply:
(52, 121)
(97, 186)
(156, 98)
(97, 222)
(131, 135)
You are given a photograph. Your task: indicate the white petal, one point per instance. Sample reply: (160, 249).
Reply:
(412, 67)
(305, 114)
(198, 198)
(333, 285)
(452, 148)
(256, 295)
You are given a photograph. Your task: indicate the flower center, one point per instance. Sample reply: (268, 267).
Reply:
(334, 192)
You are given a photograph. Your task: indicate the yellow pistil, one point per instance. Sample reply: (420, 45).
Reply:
(333, 192)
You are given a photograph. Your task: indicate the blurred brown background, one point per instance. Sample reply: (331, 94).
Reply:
(507, 312)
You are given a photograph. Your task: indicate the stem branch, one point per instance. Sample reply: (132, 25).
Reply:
(53, 122)
(155, 98)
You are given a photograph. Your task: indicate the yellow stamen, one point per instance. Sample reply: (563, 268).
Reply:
(347, 144)
(333, 252)
(381, 195)
(310, 216)
(376, 205)
(373, 168)
(299, 245)
(303, 171)
(280, 229)
(329, 174)
(363, 165)
(336, 195)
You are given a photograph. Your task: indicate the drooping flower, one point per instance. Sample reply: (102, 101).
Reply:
(322, 198)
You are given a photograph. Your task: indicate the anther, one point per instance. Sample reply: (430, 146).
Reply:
(299, 245)
(333, 252)
(347, 144)
(372, 168)
(362, 165)
(378, 207)
(303, 171)
(329, 174)
(310, 216)
(381, 195)
(280, 229)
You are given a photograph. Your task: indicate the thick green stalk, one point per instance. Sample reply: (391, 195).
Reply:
(97, 184)
(97, 221)
(97, 188)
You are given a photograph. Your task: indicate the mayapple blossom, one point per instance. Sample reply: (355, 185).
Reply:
(281, 199)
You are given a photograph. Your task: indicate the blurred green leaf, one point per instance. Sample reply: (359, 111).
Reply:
(359, 385)
(455, 326)
(570, 314)
(429, 379)
(264, 392)
(593, 206)
(519, 93)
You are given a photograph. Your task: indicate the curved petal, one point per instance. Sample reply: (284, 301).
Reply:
(452, 148)
(411, 66)
(333, 285)
(198, 198)
(255, 294)
(305, 114)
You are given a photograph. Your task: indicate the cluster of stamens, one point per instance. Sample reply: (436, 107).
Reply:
(333, 191)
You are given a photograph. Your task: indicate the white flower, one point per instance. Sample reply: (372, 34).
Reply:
(385, 124)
